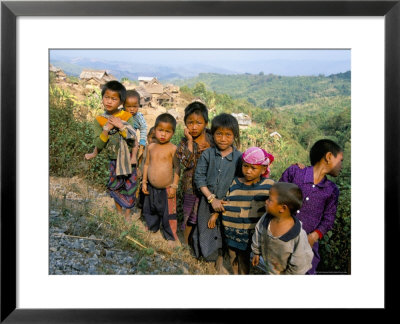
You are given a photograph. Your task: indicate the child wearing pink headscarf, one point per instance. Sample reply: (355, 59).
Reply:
(245, 204)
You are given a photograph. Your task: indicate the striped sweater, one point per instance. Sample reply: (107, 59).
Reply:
(140, 123)
(244, 208)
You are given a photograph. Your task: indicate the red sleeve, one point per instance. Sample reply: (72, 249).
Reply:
(319, 233)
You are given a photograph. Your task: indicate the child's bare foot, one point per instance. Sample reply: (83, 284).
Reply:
(128, 219)
(89, 156)
(173, 244)
(219, 266)
(136, 215)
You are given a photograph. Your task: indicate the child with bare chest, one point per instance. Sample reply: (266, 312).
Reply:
(160, 180)
(160, 166)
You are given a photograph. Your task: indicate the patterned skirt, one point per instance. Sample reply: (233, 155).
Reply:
(122, 188)
(190, 207)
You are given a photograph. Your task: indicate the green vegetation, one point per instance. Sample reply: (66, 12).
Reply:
(305, 109)
(300, 125)
(270, 91)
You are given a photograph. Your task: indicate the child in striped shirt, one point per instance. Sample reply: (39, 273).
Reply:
(244, 207)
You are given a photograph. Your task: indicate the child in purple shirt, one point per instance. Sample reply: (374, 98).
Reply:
(320, 195)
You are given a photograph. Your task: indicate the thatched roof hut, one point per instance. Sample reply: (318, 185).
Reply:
(60, 75)
(145, 96)
(98, 75)
(151, 85)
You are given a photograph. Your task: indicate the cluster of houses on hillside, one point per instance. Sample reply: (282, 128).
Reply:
(151, 91)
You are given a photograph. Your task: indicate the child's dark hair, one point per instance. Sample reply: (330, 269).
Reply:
(133, 93)
(197, 108)
(150, 131)
(226, 121)
(321, 147)
(289, 194)
(115, 86)
(166, 118)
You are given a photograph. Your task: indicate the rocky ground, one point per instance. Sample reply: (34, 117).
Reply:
(92, 255)
(79, 242)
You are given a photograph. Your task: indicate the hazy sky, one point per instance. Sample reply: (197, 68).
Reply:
(207, 56)
(237, 60)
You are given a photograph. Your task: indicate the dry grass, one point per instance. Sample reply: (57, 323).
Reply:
(94, 214)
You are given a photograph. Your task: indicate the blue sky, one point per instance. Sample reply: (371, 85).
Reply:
(284, 62)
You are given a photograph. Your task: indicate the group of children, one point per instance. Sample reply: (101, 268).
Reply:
(230, 205)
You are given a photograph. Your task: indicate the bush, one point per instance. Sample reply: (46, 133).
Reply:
(70, 139)
(335, 246)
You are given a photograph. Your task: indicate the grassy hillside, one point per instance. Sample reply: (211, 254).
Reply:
(268, 91)
(325, 113)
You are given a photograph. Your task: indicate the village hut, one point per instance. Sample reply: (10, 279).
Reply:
(143, 80)
(96, 77)
(58, 73)
(151, 85)
(243, 120)
(172, 89)
(165, 98)
(145, 96)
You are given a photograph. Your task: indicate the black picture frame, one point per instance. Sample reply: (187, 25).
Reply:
(10, 10)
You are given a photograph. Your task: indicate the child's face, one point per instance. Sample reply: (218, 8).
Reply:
(164, 132)
(336, 164)
(111, 101)
(252, 172)
(132, 105)
(223, 138)
(195, 124)
(271, 204)
(151, 138)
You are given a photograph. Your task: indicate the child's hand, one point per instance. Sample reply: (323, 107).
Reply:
(256, 260)
(312, 238)
(139, 172)
(171, 192)
(144, 188)
(300, 165)
(187, 134)
(141, 148)
(212, 220)
(116, 122)
(109, 125)
(217, 205)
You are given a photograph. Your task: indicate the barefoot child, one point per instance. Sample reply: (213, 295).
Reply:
(197, 139)
(160, 180)
(320, 194)
(279, 243)
(244, 207)
(214, 173)
(114, 133)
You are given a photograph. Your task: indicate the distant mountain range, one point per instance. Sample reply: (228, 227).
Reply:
(170, 73)
(132, 71)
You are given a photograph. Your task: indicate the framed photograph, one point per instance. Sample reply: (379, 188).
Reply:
(369, 29)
